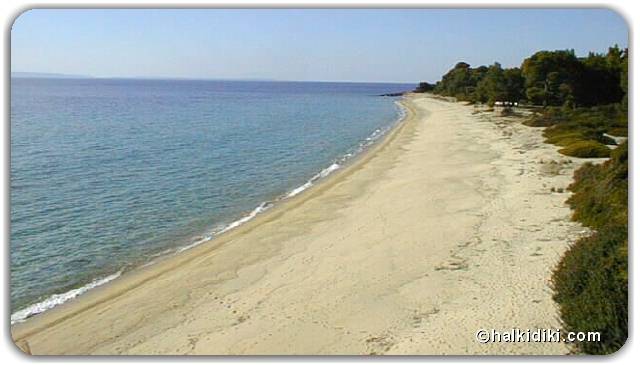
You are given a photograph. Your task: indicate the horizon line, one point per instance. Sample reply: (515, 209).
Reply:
(53, 75)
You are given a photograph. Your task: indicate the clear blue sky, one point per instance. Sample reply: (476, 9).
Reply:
(403, 45)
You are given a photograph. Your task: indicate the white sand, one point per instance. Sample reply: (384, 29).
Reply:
(447, 227)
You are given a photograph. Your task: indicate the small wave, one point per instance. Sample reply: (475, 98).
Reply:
(153, 258)
(299, 189)
(328, 170)
(322, 174)
(402, 112)
(57, 299)
(206, 238)
(200, 240)
(195, 243)
(261, 208)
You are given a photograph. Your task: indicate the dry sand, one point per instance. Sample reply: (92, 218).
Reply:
(446, 227)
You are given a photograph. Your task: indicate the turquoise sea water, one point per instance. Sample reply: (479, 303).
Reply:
(107, 174)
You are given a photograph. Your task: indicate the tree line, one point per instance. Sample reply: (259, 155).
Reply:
(547, 78)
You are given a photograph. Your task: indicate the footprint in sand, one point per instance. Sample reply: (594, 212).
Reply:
(378, 345)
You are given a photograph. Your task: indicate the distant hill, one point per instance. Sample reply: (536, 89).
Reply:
(46, 75)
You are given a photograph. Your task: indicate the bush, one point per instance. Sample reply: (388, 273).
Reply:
(586, 149)
(591, 280)
(589, 123)
(591, 288)
(601, 191)
(565, 142)
(563, 138)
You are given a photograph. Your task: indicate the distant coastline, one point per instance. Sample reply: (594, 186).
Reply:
(46, 75)
(51, 75)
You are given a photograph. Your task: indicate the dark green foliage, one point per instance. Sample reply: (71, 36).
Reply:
(458, 82)
(551, 78)
(424, 87)
(600, 81)
(591, 287)
(492, 87)
(624, 80)
(591, 280)
(514, 85)
(560, 78)
(547, 78)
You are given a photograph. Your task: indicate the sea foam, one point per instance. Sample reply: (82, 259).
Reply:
(58, 299)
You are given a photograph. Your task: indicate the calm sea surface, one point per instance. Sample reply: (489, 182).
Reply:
(107, 174)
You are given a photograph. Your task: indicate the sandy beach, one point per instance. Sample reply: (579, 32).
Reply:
(446, 227)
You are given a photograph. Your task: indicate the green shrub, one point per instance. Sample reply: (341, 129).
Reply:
(600, 192)
(591, 280)
(565, 142)
(590, 123)
(563, 138)
(586, 149)
(590, 286)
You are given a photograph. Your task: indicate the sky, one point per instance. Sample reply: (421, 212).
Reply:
(372, 45)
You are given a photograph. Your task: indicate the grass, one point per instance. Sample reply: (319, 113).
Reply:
(586, 149)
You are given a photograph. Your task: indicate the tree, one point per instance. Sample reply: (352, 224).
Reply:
(458, 82)
(492, 87)
(624, 79)
(514, 85)
(424, 87)
(601, 80)
(548, 78)
(551, 78)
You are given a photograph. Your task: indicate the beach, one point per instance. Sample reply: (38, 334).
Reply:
(451, 224)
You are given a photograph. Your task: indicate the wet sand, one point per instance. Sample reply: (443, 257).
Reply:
(446, 227)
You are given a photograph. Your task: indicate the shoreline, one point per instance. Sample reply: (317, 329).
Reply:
(352, 156)
(144, 272)
(380, 258)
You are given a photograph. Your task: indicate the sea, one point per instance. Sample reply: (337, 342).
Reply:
(111, 174)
